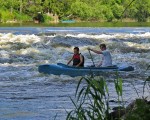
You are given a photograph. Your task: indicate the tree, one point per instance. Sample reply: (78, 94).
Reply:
(99, 11)
(117, 10)
(142, 10)
(81, 9)
(108, 14)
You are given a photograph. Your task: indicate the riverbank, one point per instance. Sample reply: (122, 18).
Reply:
(78, 24)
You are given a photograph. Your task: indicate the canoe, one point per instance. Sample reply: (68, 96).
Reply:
(62, 69)
(68, 21)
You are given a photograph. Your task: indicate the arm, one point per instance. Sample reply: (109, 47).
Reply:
(95, 51)
(70, 61)
(81, 61)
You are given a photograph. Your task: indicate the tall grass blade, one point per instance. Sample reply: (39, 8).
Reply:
(78, 85)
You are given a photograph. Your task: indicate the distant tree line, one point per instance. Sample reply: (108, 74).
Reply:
(86, 10)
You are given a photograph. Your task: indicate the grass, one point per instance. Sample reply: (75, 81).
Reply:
(77, 24)
(93, 99)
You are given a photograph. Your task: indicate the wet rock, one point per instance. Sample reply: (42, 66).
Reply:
(112, 101)
(115, 115)
(120, 112)
(118, 108)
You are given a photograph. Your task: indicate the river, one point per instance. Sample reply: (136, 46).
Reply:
(25, 94)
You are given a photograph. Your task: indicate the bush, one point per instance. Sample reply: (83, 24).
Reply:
(6, 15)
(0, 17)
(39, 17)
(140, 111)
(117, 10)
(47, 18)
(22, 17)
(108, 14)
(82, 10)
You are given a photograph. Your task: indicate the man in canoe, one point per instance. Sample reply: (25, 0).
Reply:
(77, 58)
(106, 60)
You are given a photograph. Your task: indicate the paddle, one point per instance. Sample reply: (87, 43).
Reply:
(91, 58)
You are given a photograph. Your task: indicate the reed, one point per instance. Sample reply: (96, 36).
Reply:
(147, 82)
(92, 99)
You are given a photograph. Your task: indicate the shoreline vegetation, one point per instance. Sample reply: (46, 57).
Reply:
(78, 24)
(93, 101)
(54, 12)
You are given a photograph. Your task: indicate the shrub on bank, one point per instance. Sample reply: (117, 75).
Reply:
(47, 18)
(6, 16)
(22, 17)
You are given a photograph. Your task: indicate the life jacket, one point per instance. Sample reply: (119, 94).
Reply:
(76, 60)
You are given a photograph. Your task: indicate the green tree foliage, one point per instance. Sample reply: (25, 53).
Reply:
(81, 9)
(117, 10)
(107, 10)
(108, 14)
(142, 10)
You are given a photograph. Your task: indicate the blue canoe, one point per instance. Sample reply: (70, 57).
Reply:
(62, 69)
(68, 21)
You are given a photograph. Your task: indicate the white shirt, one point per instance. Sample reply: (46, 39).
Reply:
(107, 60)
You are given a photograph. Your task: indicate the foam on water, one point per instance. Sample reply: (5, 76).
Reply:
(125, 48)
(110, 36)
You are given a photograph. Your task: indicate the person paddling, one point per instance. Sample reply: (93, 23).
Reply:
(106, 60)
(77, 58)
